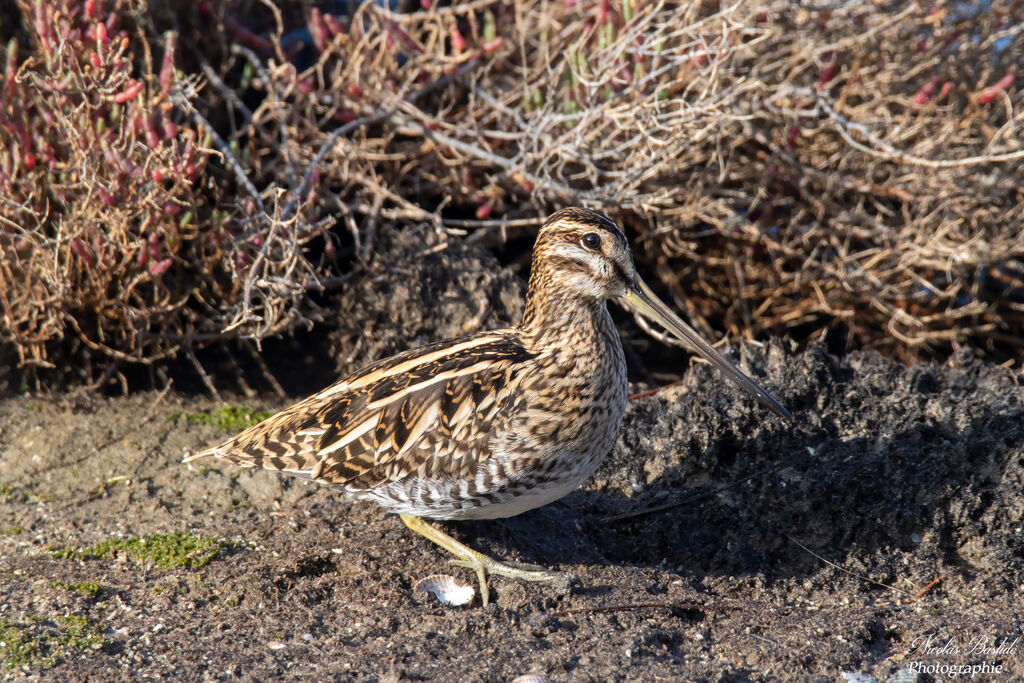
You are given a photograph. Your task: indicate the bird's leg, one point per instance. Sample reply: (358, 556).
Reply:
(483, 565)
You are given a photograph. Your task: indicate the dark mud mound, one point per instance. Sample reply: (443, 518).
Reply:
(896, 471)
(420, 289)
(717, 543)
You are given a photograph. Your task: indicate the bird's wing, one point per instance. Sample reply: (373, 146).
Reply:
(430, 411)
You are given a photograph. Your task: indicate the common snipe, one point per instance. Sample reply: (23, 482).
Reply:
(492, 424)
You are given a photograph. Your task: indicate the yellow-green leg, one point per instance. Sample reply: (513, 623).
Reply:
(483, 565)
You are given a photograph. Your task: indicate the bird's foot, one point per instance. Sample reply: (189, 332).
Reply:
(483, 565)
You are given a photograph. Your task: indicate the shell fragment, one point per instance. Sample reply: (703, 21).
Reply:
(447, 589)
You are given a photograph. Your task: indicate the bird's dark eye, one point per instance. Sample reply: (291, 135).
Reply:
(591, 241)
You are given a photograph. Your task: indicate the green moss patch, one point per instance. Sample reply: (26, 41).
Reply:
(230, 418)
(12, 530)
(87, 589)
(168, 551)
(43, 643)
(19, 648)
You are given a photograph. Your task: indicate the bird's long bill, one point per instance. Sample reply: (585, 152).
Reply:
(642, 300)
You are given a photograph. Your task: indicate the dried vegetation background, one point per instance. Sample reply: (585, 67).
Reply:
(178, 175)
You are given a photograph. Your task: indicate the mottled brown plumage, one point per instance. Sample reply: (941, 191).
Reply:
(492, 424)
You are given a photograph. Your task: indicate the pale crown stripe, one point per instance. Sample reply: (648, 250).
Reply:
(592, 258)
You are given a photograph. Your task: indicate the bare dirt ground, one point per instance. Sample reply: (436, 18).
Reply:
(716, 543)
(899, 475)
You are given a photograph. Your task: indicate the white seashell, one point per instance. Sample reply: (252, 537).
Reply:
(531, 678)
(447, 589)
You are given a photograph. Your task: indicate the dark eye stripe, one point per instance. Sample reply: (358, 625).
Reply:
(569, 264)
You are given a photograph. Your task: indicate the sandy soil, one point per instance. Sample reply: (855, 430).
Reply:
(716, 543)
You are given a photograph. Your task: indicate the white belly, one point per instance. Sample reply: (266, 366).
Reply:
(518, 504)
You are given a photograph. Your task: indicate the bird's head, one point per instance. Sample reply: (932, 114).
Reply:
(582, 255)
